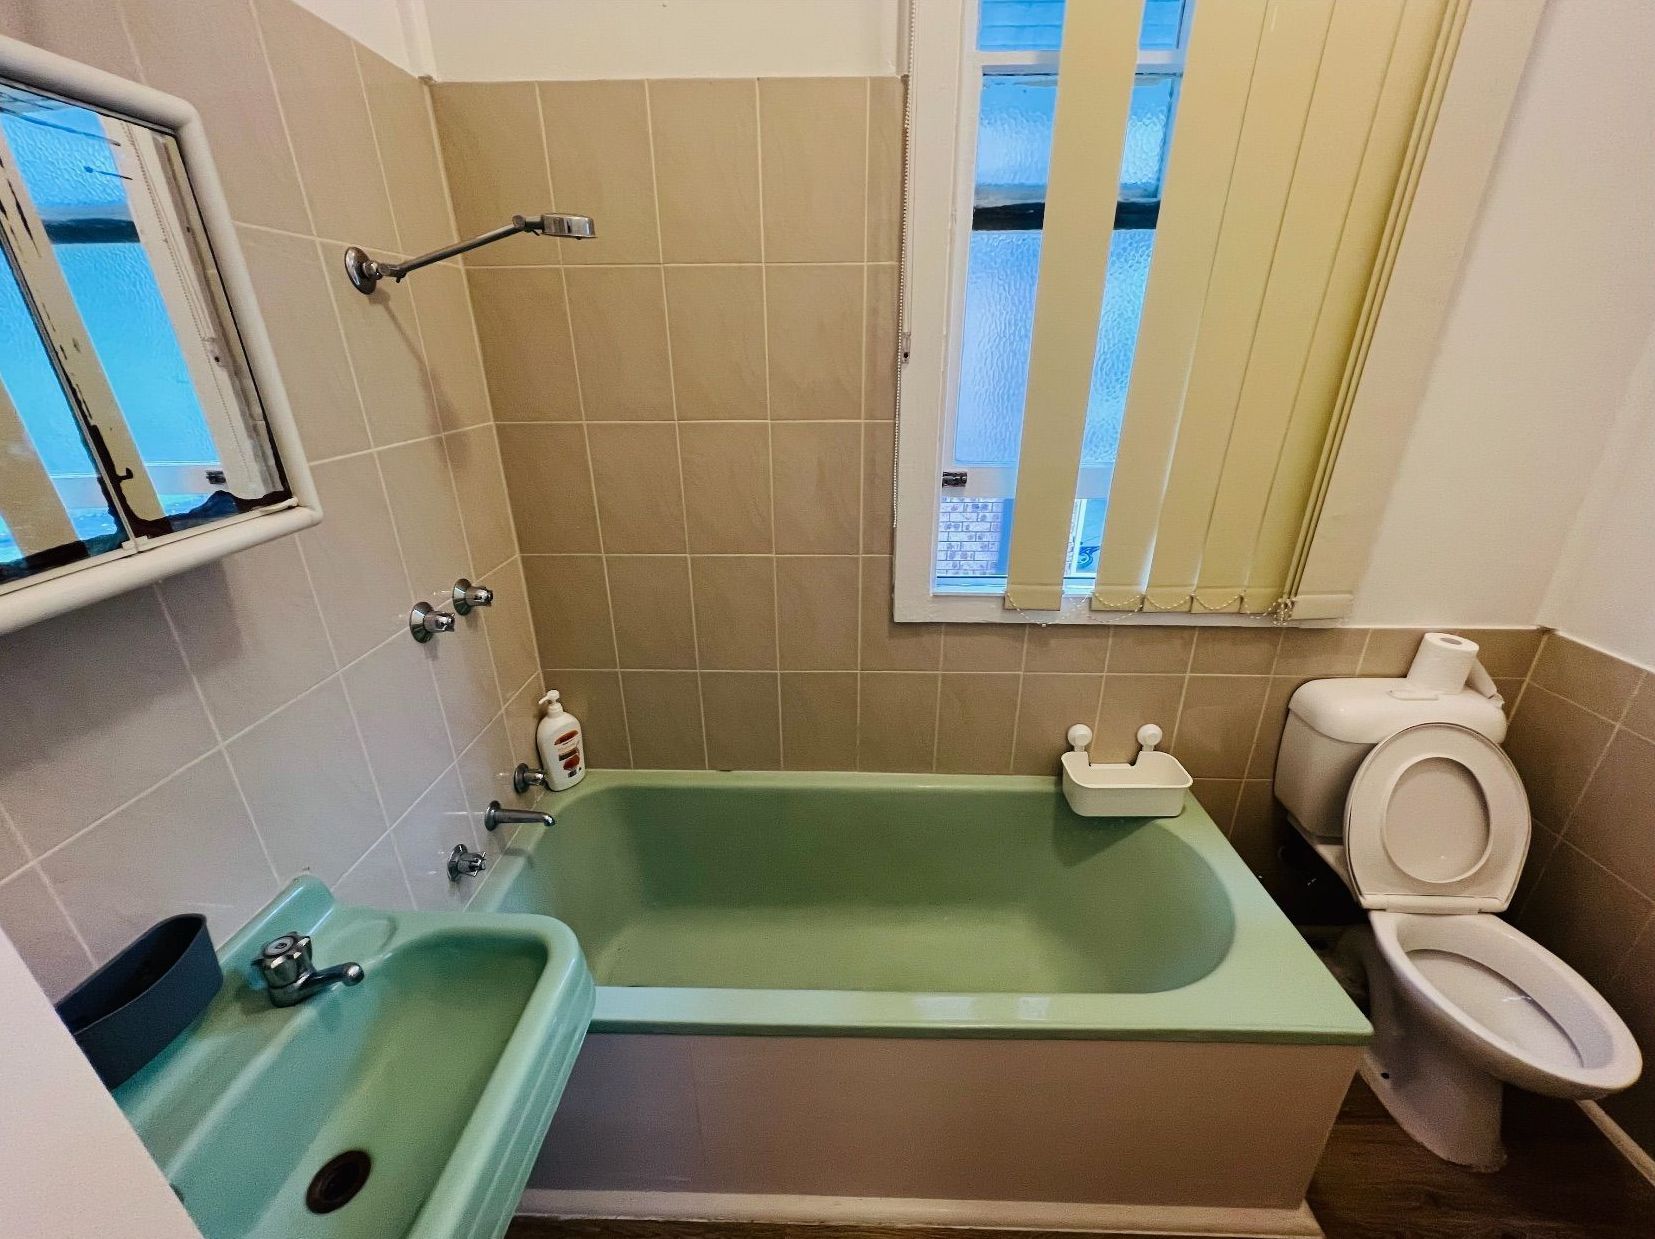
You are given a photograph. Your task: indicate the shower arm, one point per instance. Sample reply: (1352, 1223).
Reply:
(366, 271)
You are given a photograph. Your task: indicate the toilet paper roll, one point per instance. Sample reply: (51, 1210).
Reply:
(1443, 663)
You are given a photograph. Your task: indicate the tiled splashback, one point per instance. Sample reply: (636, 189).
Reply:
(1584, 739)
(200, 743)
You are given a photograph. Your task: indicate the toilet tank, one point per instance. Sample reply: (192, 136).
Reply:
(1332, 725)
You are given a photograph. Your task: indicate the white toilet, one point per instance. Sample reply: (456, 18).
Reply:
(1407, 795)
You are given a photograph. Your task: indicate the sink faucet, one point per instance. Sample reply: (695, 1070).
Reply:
(495, 817)
(289, 978)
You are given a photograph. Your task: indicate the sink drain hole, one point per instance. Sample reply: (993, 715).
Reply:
(336, 1184)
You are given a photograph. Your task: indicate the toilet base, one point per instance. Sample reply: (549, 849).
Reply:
(1436, 1094)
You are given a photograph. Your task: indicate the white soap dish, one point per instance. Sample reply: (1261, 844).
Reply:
(1152, 785)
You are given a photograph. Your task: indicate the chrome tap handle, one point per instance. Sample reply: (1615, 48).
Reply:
(425, 621)
(463, 862)
(283, 960)
(466, 595)
(526, 776)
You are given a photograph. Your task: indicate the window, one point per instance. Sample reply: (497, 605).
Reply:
(1147, 247)
(1015, 68)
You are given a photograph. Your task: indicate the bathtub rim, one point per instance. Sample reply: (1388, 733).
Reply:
(1269, 987)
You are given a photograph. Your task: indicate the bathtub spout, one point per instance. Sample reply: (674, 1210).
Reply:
(495, 817)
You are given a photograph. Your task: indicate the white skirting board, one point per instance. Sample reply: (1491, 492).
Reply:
(1628, 1148)
(1096, 1219)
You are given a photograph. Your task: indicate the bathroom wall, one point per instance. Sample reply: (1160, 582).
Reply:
(197, 744)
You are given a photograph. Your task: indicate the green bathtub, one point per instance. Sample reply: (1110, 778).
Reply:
(911, 905)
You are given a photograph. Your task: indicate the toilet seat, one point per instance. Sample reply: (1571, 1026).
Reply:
(1436, 820)
(1509, 1004)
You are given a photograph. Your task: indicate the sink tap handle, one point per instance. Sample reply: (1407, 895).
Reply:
(285, 959)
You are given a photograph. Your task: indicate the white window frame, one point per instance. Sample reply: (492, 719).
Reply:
(76, 585)
(945, 71)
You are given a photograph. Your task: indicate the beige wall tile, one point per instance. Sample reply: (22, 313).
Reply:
(879, 372)
(474, 459)
(485, 770)
(817, 603)
(1272, 721)
(383, 338)
(815, 317)
(897, 721)
(1555, 744)
(707, 169)
(1258, 831)
(620, 326)
(79, 29)
(528, 354)
(1051, 704)
(1218, 797)
(885, 119)
(735, 612)
(248, 655)
(325, 820)
(466, 683)
(549, 479)
(511, 634)
(1137, 649)
(321, 95)
(716, 319)
(814, 136)
(376, 880)
(818, 487)
(663, 715)
(597, 137)
(1235, 651)
(635, 469)
(1320, 651)
(1390, 651)
(153, 859)
(887, 645)
(1071, 647)
(819, 720)
(1632, 994)
(569, 600)
(1506, 653)
(1600, 682)
(496, 162)
(1128, 702)
(743, 720)
(407, 140)
(103, 684)
(395, 699)
(975, 722)
(1614, 823)
(425, 836)
(30, 917)
(983, 647)
(310, 348)
(727, 487)
(1640, 715)
(220, 67)
(353, 558)
(878, 450)
(654, 625)
(12, 855)
(427, 517)
(450, 340)
(1594, 944)
(1217, 722)
(594, 697)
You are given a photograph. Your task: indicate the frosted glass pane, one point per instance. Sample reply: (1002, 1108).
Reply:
(121, 306)
(63, 153)
(1037, 25)
(994, 351)
(1014, 137)
(973, 536)
(1123, 305)
(33, 386)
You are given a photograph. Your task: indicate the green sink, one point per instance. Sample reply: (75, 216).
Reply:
(412, 1104)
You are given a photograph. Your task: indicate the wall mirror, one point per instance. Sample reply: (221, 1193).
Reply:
(143, 427)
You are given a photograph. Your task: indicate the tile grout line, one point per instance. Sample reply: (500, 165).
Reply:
(32, 865)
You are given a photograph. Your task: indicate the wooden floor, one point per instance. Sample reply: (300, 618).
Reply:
(1563, 1181)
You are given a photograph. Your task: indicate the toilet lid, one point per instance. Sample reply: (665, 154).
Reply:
(1436, 820)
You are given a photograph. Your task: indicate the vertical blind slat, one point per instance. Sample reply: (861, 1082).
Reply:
(29, 503)
(1223, 43)
(1095, 79)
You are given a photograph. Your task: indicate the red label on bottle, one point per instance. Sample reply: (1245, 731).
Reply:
(566, 737)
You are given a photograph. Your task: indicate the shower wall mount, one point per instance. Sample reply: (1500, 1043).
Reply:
(366, 271)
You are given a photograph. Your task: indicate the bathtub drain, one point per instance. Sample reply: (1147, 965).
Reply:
(336, 1184)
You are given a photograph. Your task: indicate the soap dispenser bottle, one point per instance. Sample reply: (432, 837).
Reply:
(562, 750)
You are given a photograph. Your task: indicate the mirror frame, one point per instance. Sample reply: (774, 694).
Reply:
(93, 581)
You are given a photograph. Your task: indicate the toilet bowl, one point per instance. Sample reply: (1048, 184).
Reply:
(1435, 833)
